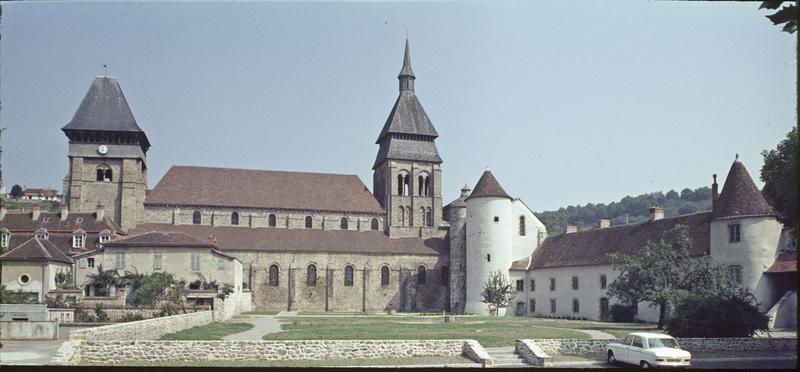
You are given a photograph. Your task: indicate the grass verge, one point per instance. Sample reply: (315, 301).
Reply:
(319, 363)
(213, 331)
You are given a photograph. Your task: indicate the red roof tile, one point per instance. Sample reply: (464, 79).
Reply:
(36, 250)
(786, 262)
(740, 196)
(488, 186)
(160, 239)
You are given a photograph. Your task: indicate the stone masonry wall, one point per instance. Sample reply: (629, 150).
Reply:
(149, 329)
(583, 346)
(131, 352)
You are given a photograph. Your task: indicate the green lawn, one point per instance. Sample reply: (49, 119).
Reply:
(212, 331)
(262, 312)
(489, 331)
(619, 330)
(317, 363)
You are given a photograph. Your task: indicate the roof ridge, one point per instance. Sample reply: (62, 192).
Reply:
(263, 170)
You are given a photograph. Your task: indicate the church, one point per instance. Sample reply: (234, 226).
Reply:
(295, 245)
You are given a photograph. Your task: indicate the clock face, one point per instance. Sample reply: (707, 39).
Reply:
(102, 150)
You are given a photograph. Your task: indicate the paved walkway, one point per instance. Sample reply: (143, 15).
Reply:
(263, 324)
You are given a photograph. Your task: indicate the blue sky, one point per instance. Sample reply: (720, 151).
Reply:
(566, 102)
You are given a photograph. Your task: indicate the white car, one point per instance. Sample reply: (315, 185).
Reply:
(648, 350)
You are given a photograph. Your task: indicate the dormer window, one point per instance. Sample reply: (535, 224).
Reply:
(42, 234)
(78, 241)
(104, 238)
(4, 238)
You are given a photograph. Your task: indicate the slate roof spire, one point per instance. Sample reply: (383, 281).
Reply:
(740, 197)
(488, 186)
(406, 75)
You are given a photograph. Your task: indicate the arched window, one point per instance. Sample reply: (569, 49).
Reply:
(272, 220)
(309, 222)
(427, 186)
(402, 216)
(422, 216)
(420, 185)
(384, 275)
(399, 184)
(197, 218)
(428, 218)
(374, 224)
(421, 272)
(235, 218)
(409, 221)
(407, 185)
(445, 280)
(348, 276)
(521, 225)
(273, 276)
(343, 223)
(311, 279)
(104, 173)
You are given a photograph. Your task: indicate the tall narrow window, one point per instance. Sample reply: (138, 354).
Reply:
(575, 282)
(402, 216)
(428, 219)
(235, 218)
(427, 186)
(552, 305)
(734, 233)
(343, 223)
(197, 218)
(374, 224)
(532, 307)
(4, 240)
(533, 285)
(109, 176)
(603, 281)
(273, 221)
(77, 241)
(273, 276)
(384, 275)
(421, 272)
(348, 276)
(120, 260)
(576, 306)
(407, 185)
(521, 225)
(445, 275)
(552, 284)
(399, 184)
(158, 263)
(311, 276)
(420, 186)
(520, 285)
(309, 222)
(195, 261)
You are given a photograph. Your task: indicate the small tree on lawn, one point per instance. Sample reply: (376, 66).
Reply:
(497, 292)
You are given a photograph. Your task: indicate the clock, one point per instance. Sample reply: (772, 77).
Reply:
(102, 149)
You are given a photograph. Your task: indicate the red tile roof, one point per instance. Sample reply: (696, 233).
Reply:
(521, 264)
(36, 250)
(304, 240)
(740, 196)
(160, 239)
(224, 187)
(488, 186)
(22, 222)
(786, 262)
(589, 248)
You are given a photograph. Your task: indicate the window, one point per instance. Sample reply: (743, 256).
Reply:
(420, 185)
(120, 261)
(273, 221)
(576, 306)
(24, 279)
(402, 216)
(235, 218)
(532, 306)
(105, 174)
(637, 342)
(104, 238)
(220, 263)
(552, 305)
(520, 285)
(82, 263)
(4, 240)
(90, 262)
(428, 219)
(77, 241)
(521, 225)
(421, 272)
(488, 258)
(158, 261)
(309, 222)
(575, 282)
(552, 284)
(348, 276)
(374, 225)
(496, 219)
(197, 218)
(385, 275)
(311, 276)
(445, 271)
(736, 273)
(42, 234)
(603, 282)
(343, 223)
(734, 233)
(273, 276)
(195, 261)
(533, 285)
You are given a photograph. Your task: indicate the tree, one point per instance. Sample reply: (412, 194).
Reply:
(11, 297)
(63, 279)
(787, 14)
(103, 280)
(497, 292)
(16, 191)
(779, 174)
(733, 316)
(664, 272)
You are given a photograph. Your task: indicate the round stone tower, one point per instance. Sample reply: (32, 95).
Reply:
(489, 231)
(458, 258)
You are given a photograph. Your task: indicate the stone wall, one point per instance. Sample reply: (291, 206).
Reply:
(531, 353)
(583, 346)
(149, 329)
(29, 330)
(131, 352)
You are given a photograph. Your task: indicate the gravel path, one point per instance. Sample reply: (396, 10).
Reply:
(263, 324)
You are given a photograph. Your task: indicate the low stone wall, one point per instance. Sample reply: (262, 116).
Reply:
(29, 330)
(149, 329)
(475, 351)
(531, 353)
(132, 352)
(737, 344)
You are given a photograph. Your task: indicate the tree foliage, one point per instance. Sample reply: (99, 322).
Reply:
(148, 289)
(103, 280)
(787, 14)
(664, 272)
(779, 174)
(16, 191)
(702, 315)
(497, 292)
(8, 296)
(63, 279)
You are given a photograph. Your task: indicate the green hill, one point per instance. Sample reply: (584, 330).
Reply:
(632, 209)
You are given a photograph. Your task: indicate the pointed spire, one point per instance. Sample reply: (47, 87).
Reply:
(406, 75)
(488, 186)
(740, 197)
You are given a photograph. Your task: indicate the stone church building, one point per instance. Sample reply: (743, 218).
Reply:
(297, 246)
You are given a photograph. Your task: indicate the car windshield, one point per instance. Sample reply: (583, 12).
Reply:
(662, 342)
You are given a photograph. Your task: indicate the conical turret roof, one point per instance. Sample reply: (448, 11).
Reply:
(488, 186)
(740, 196)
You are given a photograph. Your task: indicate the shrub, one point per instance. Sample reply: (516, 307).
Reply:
(132, 316)
(168, 309)
(227, 289)
(100, 313)
(715, 316)
(83, 316)
(622, 313)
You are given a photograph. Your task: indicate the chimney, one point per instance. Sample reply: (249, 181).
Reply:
(714, 194)
(604, 222)
(64, 213)
(35, 212)
(571, 229)
(3, 211)
(101, 212)
(656, 213)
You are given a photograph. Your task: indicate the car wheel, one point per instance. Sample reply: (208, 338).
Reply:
(611, 359)
(644, 364)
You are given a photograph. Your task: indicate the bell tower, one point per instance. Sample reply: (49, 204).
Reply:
(107, 154)
(407, 171)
